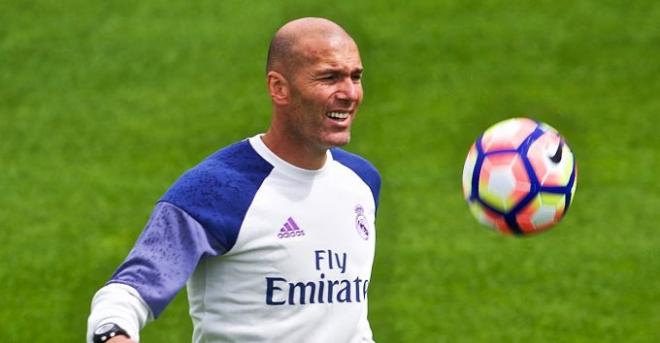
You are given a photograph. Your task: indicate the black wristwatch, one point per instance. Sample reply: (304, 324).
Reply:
(106, 331)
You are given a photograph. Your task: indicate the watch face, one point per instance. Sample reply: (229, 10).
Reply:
(103, 328)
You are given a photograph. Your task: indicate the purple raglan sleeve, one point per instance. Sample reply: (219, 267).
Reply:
(165, 255)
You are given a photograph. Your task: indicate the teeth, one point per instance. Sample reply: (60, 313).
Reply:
(338, 115)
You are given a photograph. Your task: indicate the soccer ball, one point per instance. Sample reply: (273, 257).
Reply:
(519, 177)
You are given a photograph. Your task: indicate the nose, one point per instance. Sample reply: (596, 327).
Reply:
(349, 90)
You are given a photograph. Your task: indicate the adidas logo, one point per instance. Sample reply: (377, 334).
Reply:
(290, 229)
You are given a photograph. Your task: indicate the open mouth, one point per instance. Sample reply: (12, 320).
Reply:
(338, 115)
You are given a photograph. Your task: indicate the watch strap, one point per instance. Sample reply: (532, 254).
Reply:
(108, 331)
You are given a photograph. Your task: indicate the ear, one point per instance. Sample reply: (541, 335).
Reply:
(278, 86)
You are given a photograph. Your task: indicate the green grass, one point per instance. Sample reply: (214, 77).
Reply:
(103, 106)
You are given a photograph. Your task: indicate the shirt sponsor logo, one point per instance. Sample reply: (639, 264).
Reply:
(282, 291)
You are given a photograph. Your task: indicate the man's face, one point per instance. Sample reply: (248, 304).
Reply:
(326, 90)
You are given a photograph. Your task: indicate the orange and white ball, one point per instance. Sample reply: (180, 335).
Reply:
(519, 177)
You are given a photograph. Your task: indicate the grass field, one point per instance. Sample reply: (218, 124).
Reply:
(104, 104)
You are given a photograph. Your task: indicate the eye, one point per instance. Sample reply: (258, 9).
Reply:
(327, 78)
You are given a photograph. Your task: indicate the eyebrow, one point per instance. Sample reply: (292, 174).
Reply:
(339, 70)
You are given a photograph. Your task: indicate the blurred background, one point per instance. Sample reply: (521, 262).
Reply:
(103, 104)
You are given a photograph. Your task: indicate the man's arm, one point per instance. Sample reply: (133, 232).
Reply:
(165, 255)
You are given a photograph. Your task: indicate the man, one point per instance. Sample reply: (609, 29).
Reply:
(274, 235)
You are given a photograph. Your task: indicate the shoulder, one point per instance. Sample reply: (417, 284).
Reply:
(360, 166)
(235, 164)
(218, 191)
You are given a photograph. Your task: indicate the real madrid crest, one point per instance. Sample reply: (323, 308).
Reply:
(361, 222)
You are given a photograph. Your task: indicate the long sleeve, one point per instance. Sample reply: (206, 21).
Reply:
(163, 258)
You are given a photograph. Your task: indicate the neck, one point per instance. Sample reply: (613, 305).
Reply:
(296, 153)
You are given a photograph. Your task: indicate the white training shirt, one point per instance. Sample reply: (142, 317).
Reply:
(270, 252)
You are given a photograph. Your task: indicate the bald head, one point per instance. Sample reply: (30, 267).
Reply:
(291, 43)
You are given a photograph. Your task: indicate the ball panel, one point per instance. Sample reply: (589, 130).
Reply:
(507, 135)
(489, 218)
(545, 210)
(542, 155)
(547, 128)
(468, 171)
(503, 181)
(574, 183)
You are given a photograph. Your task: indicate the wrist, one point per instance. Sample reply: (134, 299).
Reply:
(110, 332)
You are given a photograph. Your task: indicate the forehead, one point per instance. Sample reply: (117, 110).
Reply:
(337, 52)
